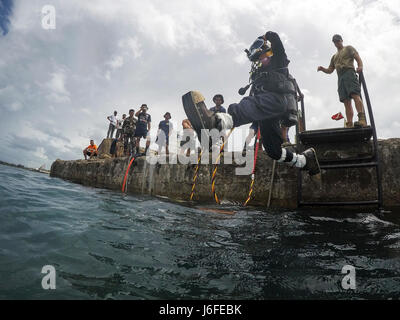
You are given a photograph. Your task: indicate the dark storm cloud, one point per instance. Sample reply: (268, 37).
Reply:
(6, 7)
(53, 133)
(22, 143)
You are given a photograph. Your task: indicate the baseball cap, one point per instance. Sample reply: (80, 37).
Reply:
(337, 37)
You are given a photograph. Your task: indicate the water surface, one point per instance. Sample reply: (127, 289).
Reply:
(105, 245)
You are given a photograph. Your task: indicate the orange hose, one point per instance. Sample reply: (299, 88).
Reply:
(126, 175)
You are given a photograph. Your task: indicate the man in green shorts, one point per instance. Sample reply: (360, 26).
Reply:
(348, 85)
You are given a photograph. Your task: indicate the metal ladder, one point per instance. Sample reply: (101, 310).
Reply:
(334, 135)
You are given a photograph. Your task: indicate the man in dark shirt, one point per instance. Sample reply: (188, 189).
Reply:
(164, 131)
(218, 100)
(143, 127)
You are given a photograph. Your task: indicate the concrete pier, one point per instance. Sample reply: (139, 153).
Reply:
(175, 180)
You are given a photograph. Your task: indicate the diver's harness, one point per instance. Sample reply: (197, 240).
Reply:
(277, 82)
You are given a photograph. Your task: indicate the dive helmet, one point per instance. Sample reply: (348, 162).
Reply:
(258, 47)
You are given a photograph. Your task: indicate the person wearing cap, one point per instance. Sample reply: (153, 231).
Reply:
(129, 129)
(143, 127)
(348, 84)
(164, 131)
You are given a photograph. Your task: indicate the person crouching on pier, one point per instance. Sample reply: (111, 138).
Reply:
(90, 151)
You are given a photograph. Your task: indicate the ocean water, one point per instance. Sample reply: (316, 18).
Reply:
(106, 245)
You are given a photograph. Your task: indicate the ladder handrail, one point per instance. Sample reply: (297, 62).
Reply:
(376, 153)
(302, 119)
(370, 113)
(375, 138)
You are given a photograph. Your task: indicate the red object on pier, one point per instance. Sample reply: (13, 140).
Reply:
(337, 116)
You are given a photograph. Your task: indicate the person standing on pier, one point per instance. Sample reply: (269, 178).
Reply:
(112, 125)
(143, 127)
(348, 84)
(164, 131)
(120, 122)
(188, 142)
(218, 100)
(128, 129)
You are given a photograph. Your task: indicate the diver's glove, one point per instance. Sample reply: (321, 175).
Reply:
(224, 121)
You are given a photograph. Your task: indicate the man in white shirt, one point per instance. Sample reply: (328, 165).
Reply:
(119, 126)
(113, 124)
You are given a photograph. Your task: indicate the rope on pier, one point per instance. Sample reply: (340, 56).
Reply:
(196, 171)
(216, 167)
(257, 143)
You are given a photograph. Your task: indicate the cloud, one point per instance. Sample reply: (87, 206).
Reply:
(58, 93)
(9, 99)
(132, 46)
(58, 86)
(116, 62)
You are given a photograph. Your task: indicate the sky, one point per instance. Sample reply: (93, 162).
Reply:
(58, 85)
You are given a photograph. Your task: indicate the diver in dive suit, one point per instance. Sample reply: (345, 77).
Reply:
(272, 101)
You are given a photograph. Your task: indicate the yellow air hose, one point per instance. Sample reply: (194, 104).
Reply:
(213, 179)
(216, 167)
(257, 142)
(196, 171)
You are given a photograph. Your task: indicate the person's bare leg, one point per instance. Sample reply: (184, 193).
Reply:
(249, 137)
(283, 133)
(137, 144)
(147, 145)
(358, 103)
(349, 111)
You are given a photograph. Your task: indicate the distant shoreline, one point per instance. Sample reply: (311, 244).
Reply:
(23, 167)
